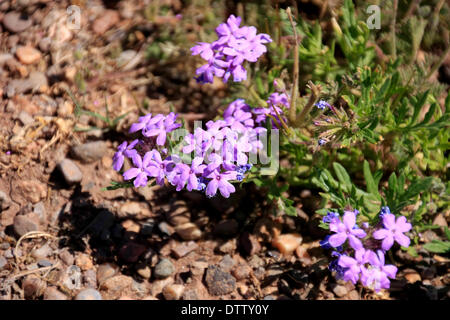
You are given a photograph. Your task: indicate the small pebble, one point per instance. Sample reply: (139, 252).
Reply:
(183, 249)
(173, 291)
(23, 225)
(28, 55)
(219, 282)
(88, 294)
(3, 262)
(44, 263)
(52, 293)
(340, 291)
(105, 271)
(70, 171)
(188, 231)
(287, 243)
(164, 269)
(90, 152)
(16, 22)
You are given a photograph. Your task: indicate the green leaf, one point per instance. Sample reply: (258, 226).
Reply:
(343, 176)
(437, 246)
(372, 187)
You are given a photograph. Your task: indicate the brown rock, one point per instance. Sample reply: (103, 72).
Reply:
(353, 295)
(188, 231)
(130, 209)
(52, 293)
(411, 275)
(66, 257)
(183, 249)
(287, 243)
(158, 285)
(340, 291)
(84, 261)
(439, 220)
(105, 271)
(130, 252)
(72, 174)
(241, 272)
(33, 287)
(173, 291)
(144, 271)
(28, 55)
(24, 224)
(117, 284)
(249, 244)
(178, 214)
(107, 19)
(219, 282)
(131, 226)
(32, 190)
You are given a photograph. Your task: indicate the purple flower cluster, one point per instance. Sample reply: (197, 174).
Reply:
(226, 55)
(220, 153)
(359, 256)
(276, 102)
(322, 105)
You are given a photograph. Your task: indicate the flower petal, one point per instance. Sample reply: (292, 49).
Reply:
(337, 239)
(387, 242)
(401, 239)
(349, 220)
(389, 221)
(381, 234)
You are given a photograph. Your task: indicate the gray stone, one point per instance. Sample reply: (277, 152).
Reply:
(42, 252)
(72, 174)
(219, 282)
(72, 278)
(227, 263)
(90, 152)
(16, 22)
(23, 225)
(3, 262)
(90, 278)
(89, 294)
(147, 227)
(44, 263)
(164, 269)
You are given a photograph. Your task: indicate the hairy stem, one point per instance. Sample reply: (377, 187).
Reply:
(315, 91)
(293, 105)
(437, 65)
(393, 39)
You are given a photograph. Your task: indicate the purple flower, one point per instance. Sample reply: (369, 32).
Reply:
(346, 231)
(321, 142)
(322, 105)
(204, 49)
(384, 210)
(330, 217)
(140, 172)
(376, 275)
(158, 168)
(393, 230)
(188, 174)
(220, 181)
(354, 266)
(161, 128)
(124, 150)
